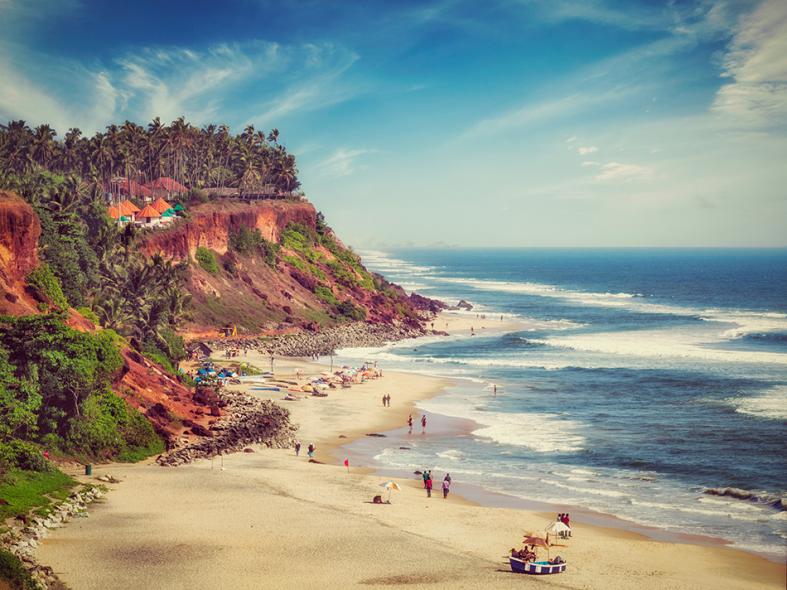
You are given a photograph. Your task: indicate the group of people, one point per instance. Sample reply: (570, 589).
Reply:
(309, 450)
(387, 400)
(410, 424)
(566, 520)
(427, 476)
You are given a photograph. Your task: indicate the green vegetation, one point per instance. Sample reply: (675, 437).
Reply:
(349, 310)
(250, 241)
(325, 294)
(209, 156)
(89, 314)
(54, 390)
(13, 573)
(47, 285)
(26, 490)
(207, 260)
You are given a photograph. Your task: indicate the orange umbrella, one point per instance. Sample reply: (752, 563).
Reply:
(536, 541)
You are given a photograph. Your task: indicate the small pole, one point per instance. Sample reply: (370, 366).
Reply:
(331, 364)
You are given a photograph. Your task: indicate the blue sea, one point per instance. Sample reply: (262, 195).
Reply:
(641, 379)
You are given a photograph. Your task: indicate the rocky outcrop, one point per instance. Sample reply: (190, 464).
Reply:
(19, 232)
(247, 420)
(210, 225)
(325, 342)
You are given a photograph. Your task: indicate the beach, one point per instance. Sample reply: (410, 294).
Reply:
(269, 519)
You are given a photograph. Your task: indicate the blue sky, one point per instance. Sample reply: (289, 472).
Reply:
(502, 123)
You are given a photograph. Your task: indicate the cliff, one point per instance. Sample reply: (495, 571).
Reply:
(19, 232)
(210, 225)
(167, 403)
(301, 278)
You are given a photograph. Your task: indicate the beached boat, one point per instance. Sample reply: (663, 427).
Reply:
(520, 566)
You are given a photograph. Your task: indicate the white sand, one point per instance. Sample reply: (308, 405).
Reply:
(271, 520)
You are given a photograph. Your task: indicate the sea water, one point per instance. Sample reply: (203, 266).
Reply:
(642, 379)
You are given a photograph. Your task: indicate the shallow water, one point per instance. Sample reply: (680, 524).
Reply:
(645, 377)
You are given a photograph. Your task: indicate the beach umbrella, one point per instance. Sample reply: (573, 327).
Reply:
(537, 542)
(390, 486)
(556, 528)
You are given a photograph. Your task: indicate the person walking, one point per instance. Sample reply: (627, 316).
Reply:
(410, 423)
(446, 485)
(310, 451)
(423, 424)
(297, 448)
(384, 400)
(428, 486)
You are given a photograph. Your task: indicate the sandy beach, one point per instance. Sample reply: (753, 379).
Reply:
(269, 519)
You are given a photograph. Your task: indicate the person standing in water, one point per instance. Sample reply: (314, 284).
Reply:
(423, 424)
(410, 423)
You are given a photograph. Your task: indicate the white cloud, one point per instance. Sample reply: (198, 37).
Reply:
(756, 62)
(341, 163)
(585, 150)
(623, 172)
(168, 82)
(590, 163)
(571, 139)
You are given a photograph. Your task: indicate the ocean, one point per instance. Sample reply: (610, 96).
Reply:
(644, 380)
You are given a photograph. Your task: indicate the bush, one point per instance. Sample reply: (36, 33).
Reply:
(246, 240)
(88, 313)
(13, 572)
(207, 260)
(47, 285)
(18, 454)
(197, 196)
(349, 310)
(109, 427)
(325, 294)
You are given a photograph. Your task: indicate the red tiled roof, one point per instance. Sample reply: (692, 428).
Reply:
(148, 211)
(131, 187)
(129, 206)
(161, 205)
(168, 184)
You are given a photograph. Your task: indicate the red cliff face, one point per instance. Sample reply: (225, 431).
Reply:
(19, 232)
(210, 225)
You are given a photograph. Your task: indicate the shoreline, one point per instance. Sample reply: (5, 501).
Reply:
(234, 521)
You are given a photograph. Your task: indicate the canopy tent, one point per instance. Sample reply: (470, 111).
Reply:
(557, 528)
(178, 207)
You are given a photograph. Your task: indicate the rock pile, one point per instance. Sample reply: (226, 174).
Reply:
(22, 541)
(247, 420)
(353, 335)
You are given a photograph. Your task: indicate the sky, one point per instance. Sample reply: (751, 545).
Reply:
(451, 123)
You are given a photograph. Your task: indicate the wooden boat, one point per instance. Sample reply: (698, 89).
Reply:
(520, 566)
